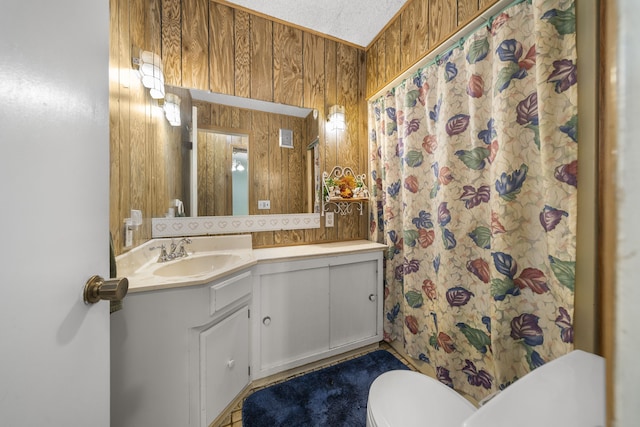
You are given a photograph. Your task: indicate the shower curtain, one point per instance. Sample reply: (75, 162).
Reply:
(474, 185)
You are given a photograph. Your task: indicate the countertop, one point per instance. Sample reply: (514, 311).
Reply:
(141, 278)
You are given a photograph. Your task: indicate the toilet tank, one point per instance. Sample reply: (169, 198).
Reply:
(566, 392)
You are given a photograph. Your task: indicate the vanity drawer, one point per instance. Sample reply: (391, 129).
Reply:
(228, 291)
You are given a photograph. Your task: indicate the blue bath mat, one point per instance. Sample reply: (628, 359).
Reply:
(334, 396)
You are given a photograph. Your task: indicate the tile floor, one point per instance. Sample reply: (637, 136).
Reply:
(233, 417)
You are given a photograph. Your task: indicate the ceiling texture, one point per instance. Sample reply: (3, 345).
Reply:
(356, 22)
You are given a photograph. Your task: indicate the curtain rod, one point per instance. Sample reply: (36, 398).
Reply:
(456, 40)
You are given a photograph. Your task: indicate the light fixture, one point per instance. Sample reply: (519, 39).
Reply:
(172, 109)
(336, 118)
(150, 68)
(236, 166)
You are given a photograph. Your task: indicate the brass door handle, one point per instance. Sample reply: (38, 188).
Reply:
(97, 288)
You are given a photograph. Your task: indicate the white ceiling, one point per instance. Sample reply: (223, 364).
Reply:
(356, 22)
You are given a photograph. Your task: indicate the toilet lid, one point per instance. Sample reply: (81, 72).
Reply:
(412, 399)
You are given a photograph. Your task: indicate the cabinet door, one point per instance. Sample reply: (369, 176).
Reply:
(354, 306)
(294, 322)
(224, 364)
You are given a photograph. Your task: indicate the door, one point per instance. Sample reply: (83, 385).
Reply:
(294, 310)
(224, 364)
(54, 135)
(354, 306)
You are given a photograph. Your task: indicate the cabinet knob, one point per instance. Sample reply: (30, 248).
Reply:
(372, 297)
(266, 321)
(231, 363)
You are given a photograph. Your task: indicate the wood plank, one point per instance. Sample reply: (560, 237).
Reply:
(202, 173)
(467, 9)
(261, 59)
(392, 56)
(485, 4)
(420, 30)
(138, 120)
(117, 36)
(330, 152)
(195, 44)
(204, 113)
(314, 71)
(287, 65)
(259, 160)
(277, 167)
(314, 92)
(221, 49)
(294, 185)
(242, 70)
(363, 145)
(155, 131)
(349, 151)
(442, 21)
(172, 42)
(374, 69)
(348, 81)
(407, 35)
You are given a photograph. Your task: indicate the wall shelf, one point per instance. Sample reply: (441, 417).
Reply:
(343, 191)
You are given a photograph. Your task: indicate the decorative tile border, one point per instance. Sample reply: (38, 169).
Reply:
(207, 225)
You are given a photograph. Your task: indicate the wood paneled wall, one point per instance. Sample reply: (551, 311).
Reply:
(420, 27)
(211, 46)
(147, 156)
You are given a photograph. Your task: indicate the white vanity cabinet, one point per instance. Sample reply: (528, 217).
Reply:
(180, 355)
(306, 310)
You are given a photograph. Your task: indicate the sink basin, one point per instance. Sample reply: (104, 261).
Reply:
(196, 265)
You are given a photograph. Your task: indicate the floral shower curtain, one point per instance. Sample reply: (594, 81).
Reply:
(474, 160)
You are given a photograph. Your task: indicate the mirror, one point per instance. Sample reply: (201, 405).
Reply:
(249, 158)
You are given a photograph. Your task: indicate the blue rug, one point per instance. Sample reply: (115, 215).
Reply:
(334, 396)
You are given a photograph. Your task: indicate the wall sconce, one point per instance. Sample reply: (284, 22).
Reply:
(236, 166)
(336, 118)
(150, 68)
(172, 109)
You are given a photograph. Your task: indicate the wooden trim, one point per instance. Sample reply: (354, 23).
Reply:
(288, 24)
(607, 206)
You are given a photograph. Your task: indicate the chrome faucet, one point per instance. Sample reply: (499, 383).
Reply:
(181, 251)
(163, 257)
(177, 250)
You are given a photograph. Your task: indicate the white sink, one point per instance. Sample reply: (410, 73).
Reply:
(197, 265)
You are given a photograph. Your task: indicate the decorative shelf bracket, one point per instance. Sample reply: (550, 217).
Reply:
(342, 191)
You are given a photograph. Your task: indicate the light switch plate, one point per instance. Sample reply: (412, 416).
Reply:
(264, 204)
(286, 138)
(136, 217)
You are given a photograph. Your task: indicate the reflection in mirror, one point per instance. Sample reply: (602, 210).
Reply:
(277, 177)
(240, 181)
(223, 172)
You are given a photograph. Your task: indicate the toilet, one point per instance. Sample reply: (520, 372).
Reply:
(568, 392)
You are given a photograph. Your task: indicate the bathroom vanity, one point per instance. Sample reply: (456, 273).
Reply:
(185, 346)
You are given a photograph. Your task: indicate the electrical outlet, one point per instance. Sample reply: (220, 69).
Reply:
(328, 219)
(264, 204)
